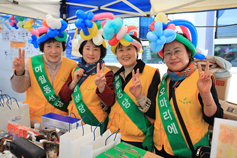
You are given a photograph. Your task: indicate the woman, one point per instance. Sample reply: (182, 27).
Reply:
(185, 93)
(91, 83)
(135, 87)
(43, 76)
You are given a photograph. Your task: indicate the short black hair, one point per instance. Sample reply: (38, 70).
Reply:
(134, 37)
(50, 40)
(102, 49)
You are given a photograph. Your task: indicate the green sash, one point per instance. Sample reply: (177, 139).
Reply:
(45, 85)
(84, 110)
(171, 127)
(132, 111)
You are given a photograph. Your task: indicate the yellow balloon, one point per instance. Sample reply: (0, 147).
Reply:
(161, 17)
(124, 42)
(113, 48)
(104, 44)
(92, 32)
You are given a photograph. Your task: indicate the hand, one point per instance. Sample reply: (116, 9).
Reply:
(100, 79)
(136, 87)
(78, 74)
(205, 82)
(19, 63)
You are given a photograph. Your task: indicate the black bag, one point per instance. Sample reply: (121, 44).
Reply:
(201, 151)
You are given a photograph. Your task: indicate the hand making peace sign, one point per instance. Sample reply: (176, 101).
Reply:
(205, 82)
(19, 63)
(136, 87)
(100, 79)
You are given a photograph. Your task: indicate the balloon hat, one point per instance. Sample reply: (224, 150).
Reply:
(91, 29)
(164, 32)
(53, 28)
(116, 33)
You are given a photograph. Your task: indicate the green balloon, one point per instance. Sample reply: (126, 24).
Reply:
(98, 25)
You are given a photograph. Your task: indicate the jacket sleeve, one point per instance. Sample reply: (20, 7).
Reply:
(21, 83)
(108, 95)
(65, 93)
(152, 92)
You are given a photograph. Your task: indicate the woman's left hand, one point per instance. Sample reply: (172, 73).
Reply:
(205, 82)
(100, 79)
(136, 87)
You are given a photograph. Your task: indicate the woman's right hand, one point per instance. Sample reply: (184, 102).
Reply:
(19, 63)
(78, 74)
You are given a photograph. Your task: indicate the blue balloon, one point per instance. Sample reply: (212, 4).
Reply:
(89, 15)
(158, 28)
(190, 26)
(128, 38)
(43, 38)
(199, 56)
(81, 14)
(170, 35)
(151, 36)
(161, 40)
(85, 31)
(63, 25)
(60, 34)
(80, 23)
(52, 32)
(155, 47)
(7, 26)
(88, 23)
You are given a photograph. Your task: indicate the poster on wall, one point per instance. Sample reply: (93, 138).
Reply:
(7, 54)
(224, 139)
(14, 49)
(5, 35)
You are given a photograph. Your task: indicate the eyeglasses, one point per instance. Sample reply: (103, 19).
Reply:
(177, 53)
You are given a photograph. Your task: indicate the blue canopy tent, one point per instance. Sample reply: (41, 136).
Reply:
(121, 8)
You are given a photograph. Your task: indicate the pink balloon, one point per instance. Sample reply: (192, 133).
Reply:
(34, 32)
(171, 26)
(105, 16)
(185, 31)
(43, 29)
(122, 32)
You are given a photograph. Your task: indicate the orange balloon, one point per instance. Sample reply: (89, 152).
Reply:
(31, 21)
(44, 23)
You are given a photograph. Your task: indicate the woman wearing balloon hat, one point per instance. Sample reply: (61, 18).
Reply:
(135, 86)
(91, 83)
(42, 76)
(187, 101)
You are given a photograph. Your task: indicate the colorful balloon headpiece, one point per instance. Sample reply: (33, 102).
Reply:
(53, 28)
(91, 29)
(116, 33)
(164, 32)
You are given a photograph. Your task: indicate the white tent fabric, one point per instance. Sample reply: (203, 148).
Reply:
(37, 9)
(40, 8)
(174, 6)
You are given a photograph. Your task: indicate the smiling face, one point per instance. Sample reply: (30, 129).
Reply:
(53, 51)
(91, 52)
(176, 56)
(127, 55)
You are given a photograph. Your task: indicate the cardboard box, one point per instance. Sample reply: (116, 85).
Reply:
(127, 150)
(52, 121)
(230, 110)
(222, 87)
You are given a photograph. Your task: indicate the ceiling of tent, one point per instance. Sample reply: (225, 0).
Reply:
(123, 8)
(37, 9)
